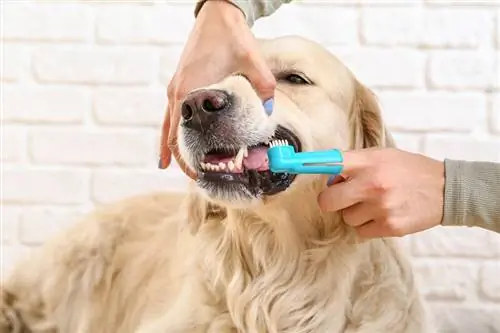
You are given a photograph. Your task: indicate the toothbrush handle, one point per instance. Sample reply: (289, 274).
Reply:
(320, 162)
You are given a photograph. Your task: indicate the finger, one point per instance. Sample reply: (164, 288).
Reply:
(165, 153)
(172, 141)
(261, 78)
(356, 161)
(359, 214)
(373, 229)
(342, 195)
(332, 180)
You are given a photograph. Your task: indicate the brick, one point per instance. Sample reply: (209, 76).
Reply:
(45, 104)
(319, 3)
(498, 30)
(394, 26)
(489, 284)
(14, 148)
(168, 63)
(130, 106)
(25, 185)
(456, 242)
(441, 27)
(162, 24)
(462, 148)
(462, 69)
(37, 225)
(310, 22)
(10, 223)
(395, 68)
(386, 3)
(497, 72)
(446, 281)
(111, 185)
(126, 3)
(495, 114)
(452, 318)
(94, 65)
(411, 111)
(14, 61)
(47, 22)
(408, 142)
(444, 27)
(94, 147)
(462, 3)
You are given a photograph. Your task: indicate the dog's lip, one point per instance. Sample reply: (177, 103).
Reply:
(281, 132)
(258, 182)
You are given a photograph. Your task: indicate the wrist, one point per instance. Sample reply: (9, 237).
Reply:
(226, 9)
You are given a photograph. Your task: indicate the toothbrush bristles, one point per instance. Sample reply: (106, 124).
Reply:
(279, 142)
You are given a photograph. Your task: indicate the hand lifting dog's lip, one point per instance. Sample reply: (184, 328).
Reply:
(227, 144)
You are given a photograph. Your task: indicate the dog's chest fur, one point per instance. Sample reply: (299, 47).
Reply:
(273, 285)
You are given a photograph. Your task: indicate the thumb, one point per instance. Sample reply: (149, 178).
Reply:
(261, 78)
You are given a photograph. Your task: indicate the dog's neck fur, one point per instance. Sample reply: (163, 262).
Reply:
(304, 224)
(271, 260)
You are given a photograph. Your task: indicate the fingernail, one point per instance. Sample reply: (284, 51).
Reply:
(268, 106)
(160, 165)
(331, 179)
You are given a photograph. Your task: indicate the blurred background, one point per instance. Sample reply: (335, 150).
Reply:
(83, 99)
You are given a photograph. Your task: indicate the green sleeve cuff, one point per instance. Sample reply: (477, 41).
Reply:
(472, 194)
(252, 9)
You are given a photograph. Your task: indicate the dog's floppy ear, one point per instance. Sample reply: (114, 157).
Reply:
(199, 211)
(365, 119)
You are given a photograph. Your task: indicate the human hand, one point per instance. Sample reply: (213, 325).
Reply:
(221, 43)
(387, 192)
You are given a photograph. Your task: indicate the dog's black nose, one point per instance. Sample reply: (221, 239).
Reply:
(201, 108)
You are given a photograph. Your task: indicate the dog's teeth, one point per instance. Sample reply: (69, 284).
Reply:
(238, 160)
(222, 166)
(230, 165)
(215, 167)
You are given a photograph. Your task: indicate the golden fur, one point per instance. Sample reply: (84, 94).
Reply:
(200, 262)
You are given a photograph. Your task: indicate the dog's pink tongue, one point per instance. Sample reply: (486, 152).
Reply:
(257, 159)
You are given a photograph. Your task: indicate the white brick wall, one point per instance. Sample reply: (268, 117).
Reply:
(83, 97)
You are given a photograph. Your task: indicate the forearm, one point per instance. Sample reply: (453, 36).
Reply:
(472, 194)
(253, 9)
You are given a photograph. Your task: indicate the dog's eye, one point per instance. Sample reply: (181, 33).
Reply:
(296, 79)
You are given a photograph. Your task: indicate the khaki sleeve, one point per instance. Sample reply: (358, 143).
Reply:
(253, 9)
(472, 194)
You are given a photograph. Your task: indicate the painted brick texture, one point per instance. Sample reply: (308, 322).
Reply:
(84, 95)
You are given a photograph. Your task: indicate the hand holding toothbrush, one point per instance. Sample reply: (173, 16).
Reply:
(387, 192)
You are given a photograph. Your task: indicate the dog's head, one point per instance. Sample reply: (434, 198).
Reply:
(319, 104)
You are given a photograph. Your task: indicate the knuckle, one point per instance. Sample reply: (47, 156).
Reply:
(245, 54)
(171, 90)
(385, 206)
(347, 215)
(177, 88)
(325, 200)
(267, 83)
(373, 187)
(395, 227)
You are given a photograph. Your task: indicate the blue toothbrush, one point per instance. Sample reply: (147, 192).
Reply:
(284, 159)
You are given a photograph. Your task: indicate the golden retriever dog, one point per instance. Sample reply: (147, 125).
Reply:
(244, 250)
